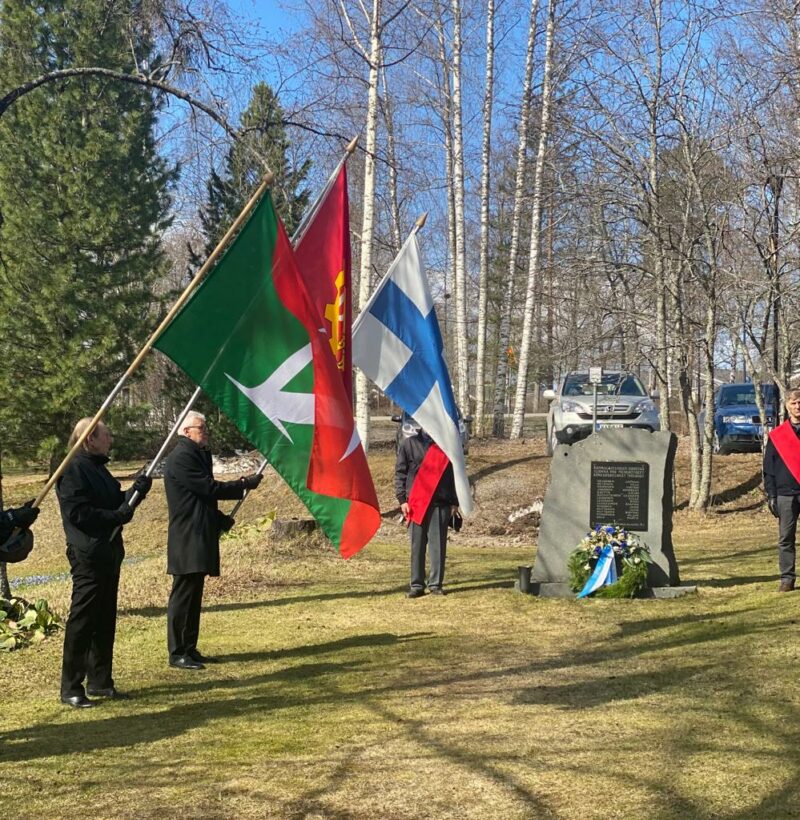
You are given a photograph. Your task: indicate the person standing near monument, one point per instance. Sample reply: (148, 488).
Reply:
(425, 487)
(195, 525)
(782, 486)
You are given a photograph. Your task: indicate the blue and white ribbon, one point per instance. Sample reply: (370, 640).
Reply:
(605, 572)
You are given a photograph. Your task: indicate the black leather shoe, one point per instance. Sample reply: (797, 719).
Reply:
(77, 701)
(200, 658)
(415, 593)
(437, 591)
(185, 662)
(111, 692)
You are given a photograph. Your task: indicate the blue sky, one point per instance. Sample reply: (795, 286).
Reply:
(270, 15)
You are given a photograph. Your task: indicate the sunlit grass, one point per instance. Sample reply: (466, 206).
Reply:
(337, 697)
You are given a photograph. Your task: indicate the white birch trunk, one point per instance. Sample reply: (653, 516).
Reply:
(461, 327)
(536, 219)
(447, 121)
(368, 220)
(523, 131)
(483, 284)
(391, 155)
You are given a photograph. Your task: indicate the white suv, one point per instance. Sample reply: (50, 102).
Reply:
(622, 401)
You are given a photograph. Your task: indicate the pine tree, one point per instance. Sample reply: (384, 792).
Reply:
(263, 135)
(83, 202)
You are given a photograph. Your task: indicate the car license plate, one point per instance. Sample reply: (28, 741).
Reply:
(602, 425)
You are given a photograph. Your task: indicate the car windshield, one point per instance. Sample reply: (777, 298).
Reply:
(613, 384)
(745, 394)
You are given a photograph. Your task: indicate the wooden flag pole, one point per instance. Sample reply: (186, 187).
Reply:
(418, 225)
(134, 365)
(308, 218)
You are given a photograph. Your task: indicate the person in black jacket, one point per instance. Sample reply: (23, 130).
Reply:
(93, 511)
(782, 486)
(195, 525)
(20, 518)
(431, 534)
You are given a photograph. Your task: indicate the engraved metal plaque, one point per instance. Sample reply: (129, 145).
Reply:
(619, 494)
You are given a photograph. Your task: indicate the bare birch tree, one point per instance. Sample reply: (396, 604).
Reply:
(523, 132)
(536, 220)
(486, 166)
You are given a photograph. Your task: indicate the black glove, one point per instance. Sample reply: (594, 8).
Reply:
(125, 512)
(772, 503)
(250, 482)
(226, 522)
(24, 516)
(142, 484)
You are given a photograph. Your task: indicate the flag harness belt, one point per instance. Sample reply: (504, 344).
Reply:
(425, 483)
(787, 444)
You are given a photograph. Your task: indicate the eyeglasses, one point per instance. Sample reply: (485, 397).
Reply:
(196, 427)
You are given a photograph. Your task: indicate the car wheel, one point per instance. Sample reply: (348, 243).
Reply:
(552, 441)
(716, 448)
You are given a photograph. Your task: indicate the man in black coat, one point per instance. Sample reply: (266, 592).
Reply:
(93, 511)
(431, 531)
(782, 486)
(195, 525)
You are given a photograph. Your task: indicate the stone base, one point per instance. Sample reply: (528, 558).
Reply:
(556, 590)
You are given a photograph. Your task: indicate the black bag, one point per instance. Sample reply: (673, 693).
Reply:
(455, 522)
(17, 548)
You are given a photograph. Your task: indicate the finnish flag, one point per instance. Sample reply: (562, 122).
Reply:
(398, 345)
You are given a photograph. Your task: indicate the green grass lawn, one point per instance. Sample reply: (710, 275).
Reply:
(336, 697)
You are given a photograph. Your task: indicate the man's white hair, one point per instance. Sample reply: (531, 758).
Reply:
(189, 419)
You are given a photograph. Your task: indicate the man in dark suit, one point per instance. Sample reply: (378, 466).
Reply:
(782, 486)
(195, 525)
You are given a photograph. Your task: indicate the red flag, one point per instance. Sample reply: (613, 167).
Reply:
(338, 465)
(323, 257)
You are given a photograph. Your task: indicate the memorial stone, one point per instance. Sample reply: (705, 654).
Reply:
(619, 477)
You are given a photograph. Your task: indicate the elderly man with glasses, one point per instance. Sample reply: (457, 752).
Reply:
(195, 525)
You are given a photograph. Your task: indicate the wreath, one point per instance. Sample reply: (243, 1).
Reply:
(631, 555)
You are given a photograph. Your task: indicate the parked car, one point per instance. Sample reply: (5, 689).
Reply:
(408, 426)
(622, 401)
(737, 425)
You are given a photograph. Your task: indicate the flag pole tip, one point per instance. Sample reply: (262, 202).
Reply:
(351, 146)
(268, 178)
(420, 223)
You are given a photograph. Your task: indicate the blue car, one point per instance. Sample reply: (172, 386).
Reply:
(737, 425)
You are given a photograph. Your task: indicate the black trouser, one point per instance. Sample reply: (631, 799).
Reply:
(788, 510)
(431, 535)
(183, 613)
(90, 630)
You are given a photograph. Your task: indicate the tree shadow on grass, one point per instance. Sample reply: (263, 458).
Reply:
(90, 730)
(731, 494)
(731, 556)
(494, 468)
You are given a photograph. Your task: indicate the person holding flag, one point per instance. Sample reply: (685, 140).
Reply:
(195, 525)
(782, 486)
(425, 487)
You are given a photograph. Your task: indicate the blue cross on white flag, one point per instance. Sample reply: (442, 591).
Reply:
(397, 344)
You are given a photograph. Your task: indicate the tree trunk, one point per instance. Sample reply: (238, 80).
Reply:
(536, 219)
(523, 132)
(461, 326)
(367, 223)
(5, 587)
(391, 155)
(483, 285)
